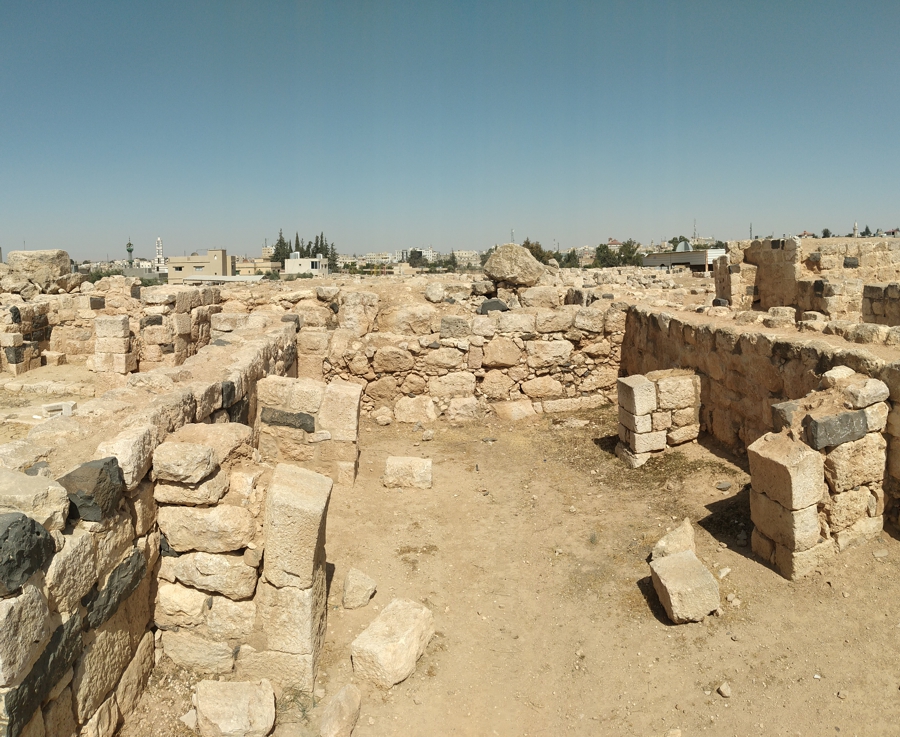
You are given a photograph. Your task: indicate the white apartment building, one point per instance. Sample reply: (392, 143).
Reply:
(382, 257)
(468, 258)
(317, 265)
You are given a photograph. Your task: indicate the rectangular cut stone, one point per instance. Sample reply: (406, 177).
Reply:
(787, 471)
(286, 671)
(859, 531)
(24, 621)
(339, 411)
(795, 530)
(197, 654)
(793, 564)
(98, 671)
(296, 510)
(218, 529)
(293, 619)
(40, 498)
(686, 589)
(635, 423)
(637, 394)
(677, 392)
(646, 442)
(280, 417)
(684, 434)
(859, 462)
(823, 432)
(111, 326)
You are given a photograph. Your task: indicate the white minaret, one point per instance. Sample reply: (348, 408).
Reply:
(856, 230)
(159, 263)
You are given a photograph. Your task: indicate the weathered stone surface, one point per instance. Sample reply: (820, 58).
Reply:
(225, 574)
(515, 265)
(25, 546)
(846, 508)
(196, 653)
(59, 717)
(676, 541)
(687, 591)
(515, 410)
(179, 606)
(858, 462)
(43, 267)
(444, 358)
(296, 513)
(230, 620)
(407, 472)
(120, 584)
(24, 621)
(293, 619)
(209, 491)
(20, 455)
(339, 412)
(797, 564)
(434, 292)
(462, 409)
(679, 435)
(113, 537)
(645, 442)
(629, 458)
(111, 326)
(387, 650)
(40, 498)
(134, 450)
(235, 709)
(877, 416)
(341, 713)
(95, 488)
(866, 392)
(637, 394)
(500, 352)
(390, 360)
(823, 432)
(358, 589)
(211, 530)
(134, 679)
(547, 297)
(635, 423)
(415, 409)
(548, 353)
(795, 530)
(72, 572)
(230, 440)
(186, 463)
(492, 305)
(677, 392)
(104, 660)
(286, 671)
(786, 470)
(542, 387)
(860, 531)
(455, 326)
(282, 418)
(496, 385)
(454, 384)
(104, 721)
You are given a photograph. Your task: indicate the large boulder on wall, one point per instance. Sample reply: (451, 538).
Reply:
(514, 265)
(40, 267)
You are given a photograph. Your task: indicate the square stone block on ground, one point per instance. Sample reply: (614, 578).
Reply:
(686, 589)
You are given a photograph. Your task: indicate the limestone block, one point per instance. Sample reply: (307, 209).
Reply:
(407, 472)
(36, 727)
(187, 463)
(637, 394)
(590, 319)
(793, 564)
(20, 455)
(296, 513)
(635, 423)
(630, 459)
(230, 620)
(104, 721)
(339, 411)
(116, 363)
(95, 488)
(858, 462)
(548, 353)
(444, 358)
(547, 297)
(515, 265)
(846, 508)
(645, 442)
(762, 546)
(225, 574)
(677, 392)
(134, 679)
(387, 650)
(292, 619)
(515, 410)
(455, 326)
(24, 626)
(211, 530)
(390, 360)
(341, 713)
(134, 450)
(209, 491)
(112, 345)
(865, 392)
(179, 606)
(235, 709)
(197, 654)
(286, 671)
(453, 384)
(676, 541)
(876, 416)
(658, 420)
(73, 571)
(516, 322)
(462, 409)
(680, 435)
(104, 660)
(542, 387)
(59, 718)
(787, 471)
(111, 326)
(415, 409)
(860, 531)
(112, 539)
(557, 320)
(42, 499)
(829, 430)
(25, 546)
(687, 591)
(496, 385)
(358, 589)
(795, 530)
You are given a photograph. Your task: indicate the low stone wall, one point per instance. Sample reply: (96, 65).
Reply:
(881, 304)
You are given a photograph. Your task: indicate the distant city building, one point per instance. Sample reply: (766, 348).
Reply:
(249, 266)
(401, 256)
(182, 268)
(585, 254)
(317, 265)
(467, 258)
(429, 254)
(344, 260)
(701, 241)
(382, 257)
(268, 252)
(613, 244)
(159, 263)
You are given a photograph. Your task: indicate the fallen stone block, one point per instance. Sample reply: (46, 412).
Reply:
(235, 709)
(341, 713)
(187, 463)
(358, 589)
(795, 530)
(25, 546)
(676, 541)
(387, 650)
(786, 470)
(40, 498)
(95, 488)
(295, 519)
(407, 472)
(637, 394)
(686, 589)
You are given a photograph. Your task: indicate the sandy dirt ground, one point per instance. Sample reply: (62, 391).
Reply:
(531, 550)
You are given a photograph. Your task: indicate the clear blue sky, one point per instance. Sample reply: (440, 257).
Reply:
(394, 125)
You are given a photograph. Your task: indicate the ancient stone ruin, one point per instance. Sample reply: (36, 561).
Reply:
(173, 500)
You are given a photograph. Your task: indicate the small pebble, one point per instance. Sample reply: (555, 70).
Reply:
(723, 485)
(371, 720)
(729, 598)
(724, 690)
(881, 553)
(842, 694)
(428, 435)
(846, 594)
(724, 572)
(735, 638)
(736, 603)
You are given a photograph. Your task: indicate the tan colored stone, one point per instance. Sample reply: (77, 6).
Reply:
(496, 385)
(513, 411)
(106, 655)
(548, 353)
(209, 491)
(24, 627)
(40, 498)
(134, 679)
(179, 606)
(197, 654)
(858, 462)
(104, 721)
(341, 713)
(500, 352)
(676, 541)
(392, 360)
(72, 572)
(454, 384)
(542, 387)
(225, 574)
(59, 718)
(407, 472)
(339, 411)
(212, 530)
(786, 470)
(287, 672)
(415, 409)
(186, 463)
(795, 530)
(230, 620)
(235, 709)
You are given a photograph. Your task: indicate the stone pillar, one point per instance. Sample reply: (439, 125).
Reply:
(112, 346)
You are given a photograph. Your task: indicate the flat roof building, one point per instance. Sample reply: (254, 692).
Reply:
(214, 263)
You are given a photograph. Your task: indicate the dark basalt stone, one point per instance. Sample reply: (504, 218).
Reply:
(25, 546)
(836, 429)
(297, 420)
(489, 305)
(95, 489)
(122, 582)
